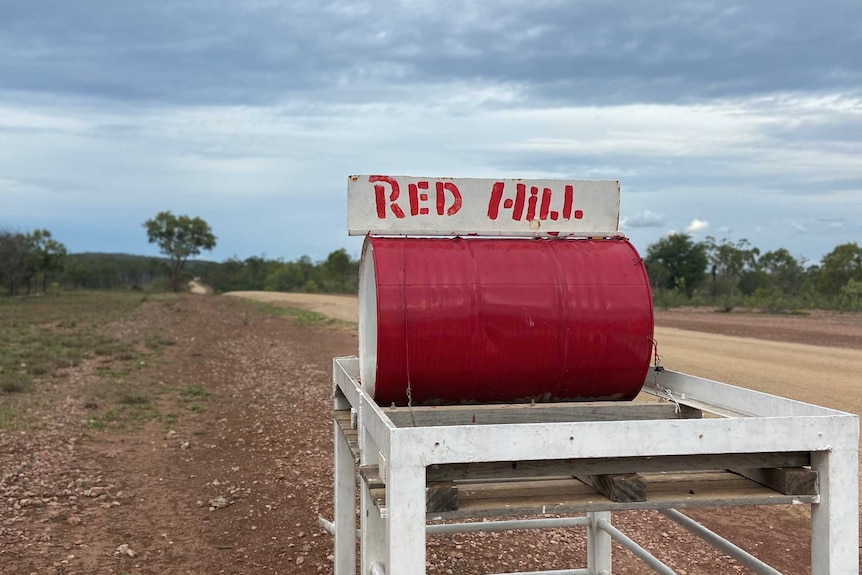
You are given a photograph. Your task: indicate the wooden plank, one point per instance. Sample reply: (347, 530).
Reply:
(561, 488)
(785, 480)
(433, 416)
(540, 488)
(344, 421)
(352, 437)
(378, 497)
(677, 490)
(370, 474)
(618, 487)
(565, 495)
(344, 418)
(697, 483)
(613, 465)
(441, 497)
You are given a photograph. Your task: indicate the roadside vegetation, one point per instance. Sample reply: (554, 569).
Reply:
(58, 335)
(35, 262)
(338, 273)
(722, 274)
(728, 275)
(301, 316)
(102, 340)
(42, 336)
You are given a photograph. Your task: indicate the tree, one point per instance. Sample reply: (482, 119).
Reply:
(13, 259)
(851, 293)
(785, 273)
(179, 237)
(46, 255)
(24, 256)
(286, 277)
(676, 262)
(730, 263)
(339, 272)
(838, 267)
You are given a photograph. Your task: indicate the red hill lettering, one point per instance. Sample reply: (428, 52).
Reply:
(536, 207)
(387, 193)
(522, 203)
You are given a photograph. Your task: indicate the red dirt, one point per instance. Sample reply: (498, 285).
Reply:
(72, 495)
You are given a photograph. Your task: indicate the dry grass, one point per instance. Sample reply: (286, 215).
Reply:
(40, 336)
(44, 339)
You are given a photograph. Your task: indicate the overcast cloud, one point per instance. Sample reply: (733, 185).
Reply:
(251, 113)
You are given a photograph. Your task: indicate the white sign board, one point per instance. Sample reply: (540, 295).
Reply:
(470, 206)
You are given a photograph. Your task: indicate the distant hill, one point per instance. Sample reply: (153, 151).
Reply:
(134, 257)
(338, 273)
(99, 270)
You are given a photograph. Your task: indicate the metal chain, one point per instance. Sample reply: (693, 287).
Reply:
(657, 367)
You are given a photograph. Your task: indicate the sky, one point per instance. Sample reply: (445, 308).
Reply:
(730, 119)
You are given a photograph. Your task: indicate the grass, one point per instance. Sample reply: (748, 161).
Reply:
(42, 337)
(123, 400)
(168, 421)
(191, 398)
(97, 423)
(299, 315)
(14, 383)
(133, 399)
(157, 342)
(8, 417)
(195, 390)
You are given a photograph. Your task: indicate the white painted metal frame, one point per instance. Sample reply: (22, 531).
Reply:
(752, 422)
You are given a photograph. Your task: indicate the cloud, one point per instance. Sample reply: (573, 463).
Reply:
(252, 52)
(647, 219)
(252, 112)
(696, 226)
(799, 227)
(832, 223)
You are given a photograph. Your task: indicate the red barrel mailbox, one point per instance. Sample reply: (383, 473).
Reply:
(503, 320)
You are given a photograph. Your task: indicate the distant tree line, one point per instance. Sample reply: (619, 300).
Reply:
(729, 274)
(28, 260)
(114, 271)
(338, 273)
(34, 262)
(681, 271)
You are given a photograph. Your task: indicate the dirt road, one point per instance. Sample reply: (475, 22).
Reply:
(826, 376)
(830, 376)
(341, 307)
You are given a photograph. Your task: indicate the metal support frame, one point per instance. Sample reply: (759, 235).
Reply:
(494, 526)
(639, 551)
(720, 543)
(552, 572)
(392, 538)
